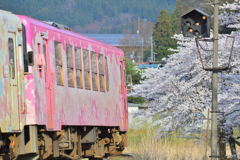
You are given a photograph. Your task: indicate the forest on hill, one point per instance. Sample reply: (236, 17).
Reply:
(99, 16)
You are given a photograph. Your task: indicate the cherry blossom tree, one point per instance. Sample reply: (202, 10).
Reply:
(230, 16)
(180, 91)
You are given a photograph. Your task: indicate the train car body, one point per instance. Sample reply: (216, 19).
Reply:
(61, 94)
(11, 69)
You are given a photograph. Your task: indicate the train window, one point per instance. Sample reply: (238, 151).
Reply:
(121, 76)
(101, 72)
(30, 58)
(78, 63)
(94, 71)
(107, 74)
(59, 65)
(70, 72)
(44, 52)
(11, 57)
(86, 69)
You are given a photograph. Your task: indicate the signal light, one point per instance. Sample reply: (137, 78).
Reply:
(190, 30)
(188, 23)
(195, 23)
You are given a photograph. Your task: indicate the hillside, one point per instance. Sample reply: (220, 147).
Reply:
(106, 16)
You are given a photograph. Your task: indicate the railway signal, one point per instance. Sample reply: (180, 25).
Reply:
(195, 23)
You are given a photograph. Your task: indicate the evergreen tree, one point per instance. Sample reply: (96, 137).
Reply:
(132, 70)
(163, 30)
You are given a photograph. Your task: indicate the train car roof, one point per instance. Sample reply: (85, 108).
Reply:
(67, 32)
(9, 16)
(5, 12)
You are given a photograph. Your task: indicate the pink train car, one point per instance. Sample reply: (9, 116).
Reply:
(61, 94)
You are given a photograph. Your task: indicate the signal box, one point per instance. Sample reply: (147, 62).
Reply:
(195, 23)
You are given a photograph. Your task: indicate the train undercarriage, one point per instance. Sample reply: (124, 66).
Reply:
(73, 143)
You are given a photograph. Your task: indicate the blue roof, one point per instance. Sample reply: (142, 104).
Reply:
(143, 66)
(112, 39)
(117, 39)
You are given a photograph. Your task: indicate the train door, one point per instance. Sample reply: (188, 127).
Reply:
(13, 81)
(123, 94)
(49, 84)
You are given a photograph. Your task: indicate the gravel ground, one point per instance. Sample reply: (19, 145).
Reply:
(122, 157)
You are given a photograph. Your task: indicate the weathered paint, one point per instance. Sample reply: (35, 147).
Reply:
(56, 106)
(11, 89)
(39, 100)
(1, 87)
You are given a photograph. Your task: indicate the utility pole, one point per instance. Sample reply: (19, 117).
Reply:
(214, 124)
(142, 50)
(138, 26)
(142, 41)
(189, 29)
(152, 58)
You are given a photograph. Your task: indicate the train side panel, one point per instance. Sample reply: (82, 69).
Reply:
(44, 113)
(11, 74)
(56, 106)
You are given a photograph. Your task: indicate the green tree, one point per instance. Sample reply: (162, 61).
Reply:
(163, 30)
(132, 70)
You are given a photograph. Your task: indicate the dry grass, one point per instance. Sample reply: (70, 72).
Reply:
(144, 145)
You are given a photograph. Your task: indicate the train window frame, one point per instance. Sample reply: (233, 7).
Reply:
(79, 67)
(24, 49)
(86, 64)
(45, 52)
(101, 73)
(70, 66)
(94, 70)
(59, 63)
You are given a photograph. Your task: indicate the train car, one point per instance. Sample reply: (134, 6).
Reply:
(62, 94)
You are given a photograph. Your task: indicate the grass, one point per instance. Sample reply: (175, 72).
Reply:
(144, 146)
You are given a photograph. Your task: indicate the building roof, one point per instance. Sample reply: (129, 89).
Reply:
(112, 39)
(118, 39)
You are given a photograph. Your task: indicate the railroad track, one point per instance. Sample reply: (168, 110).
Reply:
(125, 156)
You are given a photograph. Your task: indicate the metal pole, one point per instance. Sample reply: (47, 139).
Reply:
(214, 124)
(142, 50)
(152, 59)
(207, 135)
